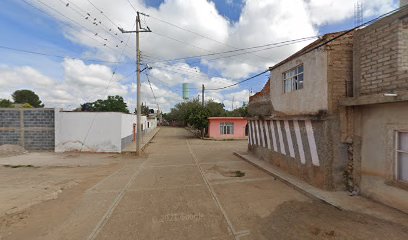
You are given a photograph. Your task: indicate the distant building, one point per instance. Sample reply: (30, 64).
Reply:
(227, 128)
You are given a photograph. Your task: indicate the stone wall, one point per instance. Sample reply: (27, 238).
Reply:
(31, 128)
(380, 56)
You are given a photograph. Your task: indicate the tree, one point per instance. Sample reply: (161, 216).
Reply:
(239, 112)
(111, 104)
(215, 109)
(145, 110)
(5, 103)
(27, 96)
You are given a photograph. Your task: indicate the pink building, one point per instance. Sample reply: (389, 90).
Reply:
(227, 128)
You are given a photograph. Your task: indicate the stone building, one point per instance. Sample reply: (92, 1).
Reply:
(377, 125)
(296, 123)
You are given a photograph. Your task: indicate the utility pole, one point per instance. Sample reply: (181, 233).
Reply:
(202, 95)
(139, 29)
(202, 103)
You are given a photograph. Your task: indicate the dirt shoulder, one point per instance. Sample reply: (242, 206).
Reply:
(38, 190)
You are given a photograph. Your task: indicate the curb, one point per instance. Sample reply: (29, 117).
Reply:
(290, 183)
(147, 143)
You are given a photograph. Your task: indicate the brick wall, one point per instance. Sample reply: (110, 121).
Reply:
(381, 56)
(31, 128)
(260, 103)
(339, 70)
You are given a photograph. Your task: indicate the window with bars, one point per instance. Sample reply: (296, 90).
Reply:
(402, 156)
(293, 79)
(226, 128)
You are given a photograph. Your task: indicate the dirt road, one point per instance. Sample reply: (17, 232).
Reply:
(186, 188)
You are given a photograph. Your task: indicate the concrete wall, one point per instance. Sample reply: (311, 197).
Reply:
(374, 155)
(151, 123)
(303, 148)
(381, 56)
(239, 128)
(313, 97)
(31, 128)
(88, 131)
(127, 134)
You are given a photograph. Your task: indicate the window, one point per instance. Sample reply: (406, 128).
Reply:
(293, 79)
(402, 156)
(226, 128)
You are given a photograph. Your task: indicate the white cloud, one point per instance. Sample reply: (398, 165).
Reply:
(334, 11)
(261, 22)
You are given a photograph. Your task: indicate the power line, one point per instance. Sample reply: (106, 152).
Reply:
(106, 91)
(86, 15)
(320, 45)
(357, 27)
(198, 34)
(265, 47)
(59, 56)
(231, 85)
(103, 13)
(151, 88)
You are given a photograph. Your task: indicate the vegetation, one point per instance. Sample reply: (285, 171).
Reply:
(192, 113)
(5, 103)
(27, 96)
(111, 104)
(145, 110)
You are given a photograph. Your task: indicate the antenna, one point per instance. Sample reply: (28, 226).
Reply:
(358, 13)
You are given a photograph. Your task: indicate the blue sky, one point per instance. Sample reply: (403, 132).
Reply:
(225, 24)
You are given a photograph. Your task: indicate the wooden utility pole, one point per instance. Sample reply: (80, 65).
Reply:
(139, 29)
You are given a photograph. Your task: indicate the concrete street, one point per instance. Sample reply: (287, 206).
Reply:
(187, 188)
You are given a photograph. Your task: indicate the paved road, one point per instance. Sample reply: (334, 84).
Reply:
(186, 188)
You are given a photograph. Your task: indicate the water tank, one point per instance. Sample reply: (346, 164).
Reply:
(186, 91)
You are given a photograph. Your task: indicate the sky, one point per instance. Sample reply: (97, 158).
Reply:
(84, 57)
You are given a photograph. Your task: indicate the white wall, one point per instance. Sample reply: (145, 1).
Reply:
(313, 97)
(152, 123)
(88, 131)
(127, 124)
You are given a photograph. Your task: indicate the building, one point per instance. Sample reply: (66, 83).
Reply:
(296, 123)
(378, 119)
(227, 128)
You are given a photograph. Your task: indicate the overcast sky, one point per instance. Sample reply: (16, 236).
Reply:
(80, 30)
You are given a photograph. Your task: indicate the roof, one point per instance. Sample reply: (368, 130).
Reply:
(309, 47)
(223, 118)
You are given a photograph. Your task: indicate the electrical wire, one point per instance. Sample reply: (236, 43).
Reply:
(231, 85)
(60, 56)
(151, 88)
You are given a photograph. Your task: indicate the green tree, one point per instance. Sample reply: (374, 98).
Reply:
(145, 110)
(5, 103)
(27, 96)
(239, 112)
(198, 117)
(215, 109)
(111, 104)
